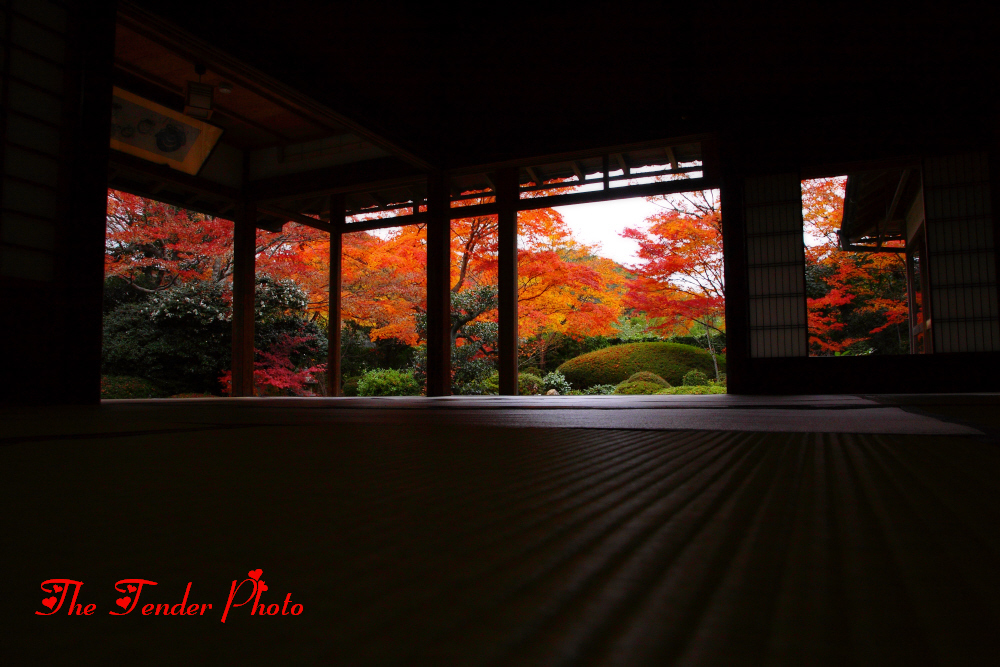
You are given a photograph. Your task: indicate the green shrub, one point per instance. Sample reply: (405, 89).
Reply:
(388, 382)
(646, 376)
(695, 378)
(351, 386)
(697, 390)
(123, 386)
(531, 370)
(599, 390)
(615, 364)
(637, 388)
(556, 380)
(528, 384)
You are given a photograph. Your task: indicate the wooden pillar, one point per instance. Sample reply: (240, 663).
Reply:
(506, 183)
(336, 275)
(735, 263)
(438, 287)
(90, 65)
(244, 266)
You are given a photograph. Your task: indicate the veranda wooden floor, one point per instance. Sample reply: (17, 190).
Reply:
(692, 532)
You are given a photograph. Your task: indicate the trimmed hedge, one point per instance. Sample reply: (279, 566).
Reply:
(123, 386)
(639, 388)
(613, 365)
(698, 390)
(388, 382)
(646, 376)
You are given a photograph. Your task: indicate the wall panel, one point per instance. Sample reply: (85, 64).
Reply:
(775, 266)
(961, 259)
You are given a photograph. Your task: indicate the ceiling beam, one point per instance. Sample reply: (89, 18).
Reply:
(368, 175)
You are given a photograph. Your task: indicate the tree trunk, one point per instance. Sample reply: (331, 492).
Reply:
(711, 350)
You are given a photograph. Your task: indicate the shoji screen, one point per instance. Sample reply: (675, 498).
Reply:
(32, 131)
(960, 248)
(775, 266)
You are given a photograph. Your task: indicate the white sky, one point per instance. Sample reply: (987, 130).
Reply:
(602, 223)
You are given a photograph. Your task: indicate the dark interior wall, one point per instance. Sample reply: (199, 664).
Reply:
(783, 91)
(54, 201)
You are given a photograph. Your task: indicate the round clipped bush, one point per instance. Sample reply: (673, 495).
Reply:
(637, 388)
(531, 370)
(695, 378)
(123, 386)
(529, 385)
(646, 376)
(388, 382)
(615, 364)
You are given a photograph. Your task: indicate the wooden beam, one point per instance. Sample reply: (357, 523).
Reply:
(645, 190)
(292, 216)
(671, 157)
(244, 260)
(385, 223)
(368, 175)
(903, 178)
(164, 174)
(471, 211)
(578, 170)
(438, 287)
(218, 211)
(620, 159)
(507, 198)
(534, 177)
(569, 156)
(333, 366)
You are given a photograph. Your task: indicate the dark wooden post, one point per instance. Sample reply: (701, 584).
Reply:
(244, 266)
(506, 183)
(438, 287)
(91, 66)
(336, 274)
(735, 261)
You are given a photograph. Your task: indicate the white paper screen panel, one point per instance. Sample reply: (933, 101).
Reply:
(775, 266)
(962, 260)
(32, 128)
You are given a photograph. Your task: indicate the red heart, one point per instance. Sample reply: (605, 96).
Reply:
(57, 588)
(263, 587)
(255, 574)
(50, 602)
(131, 588)
(123, 602)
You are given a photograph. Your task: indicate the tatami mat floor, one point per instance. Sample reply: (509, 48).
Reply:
(463, 533)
